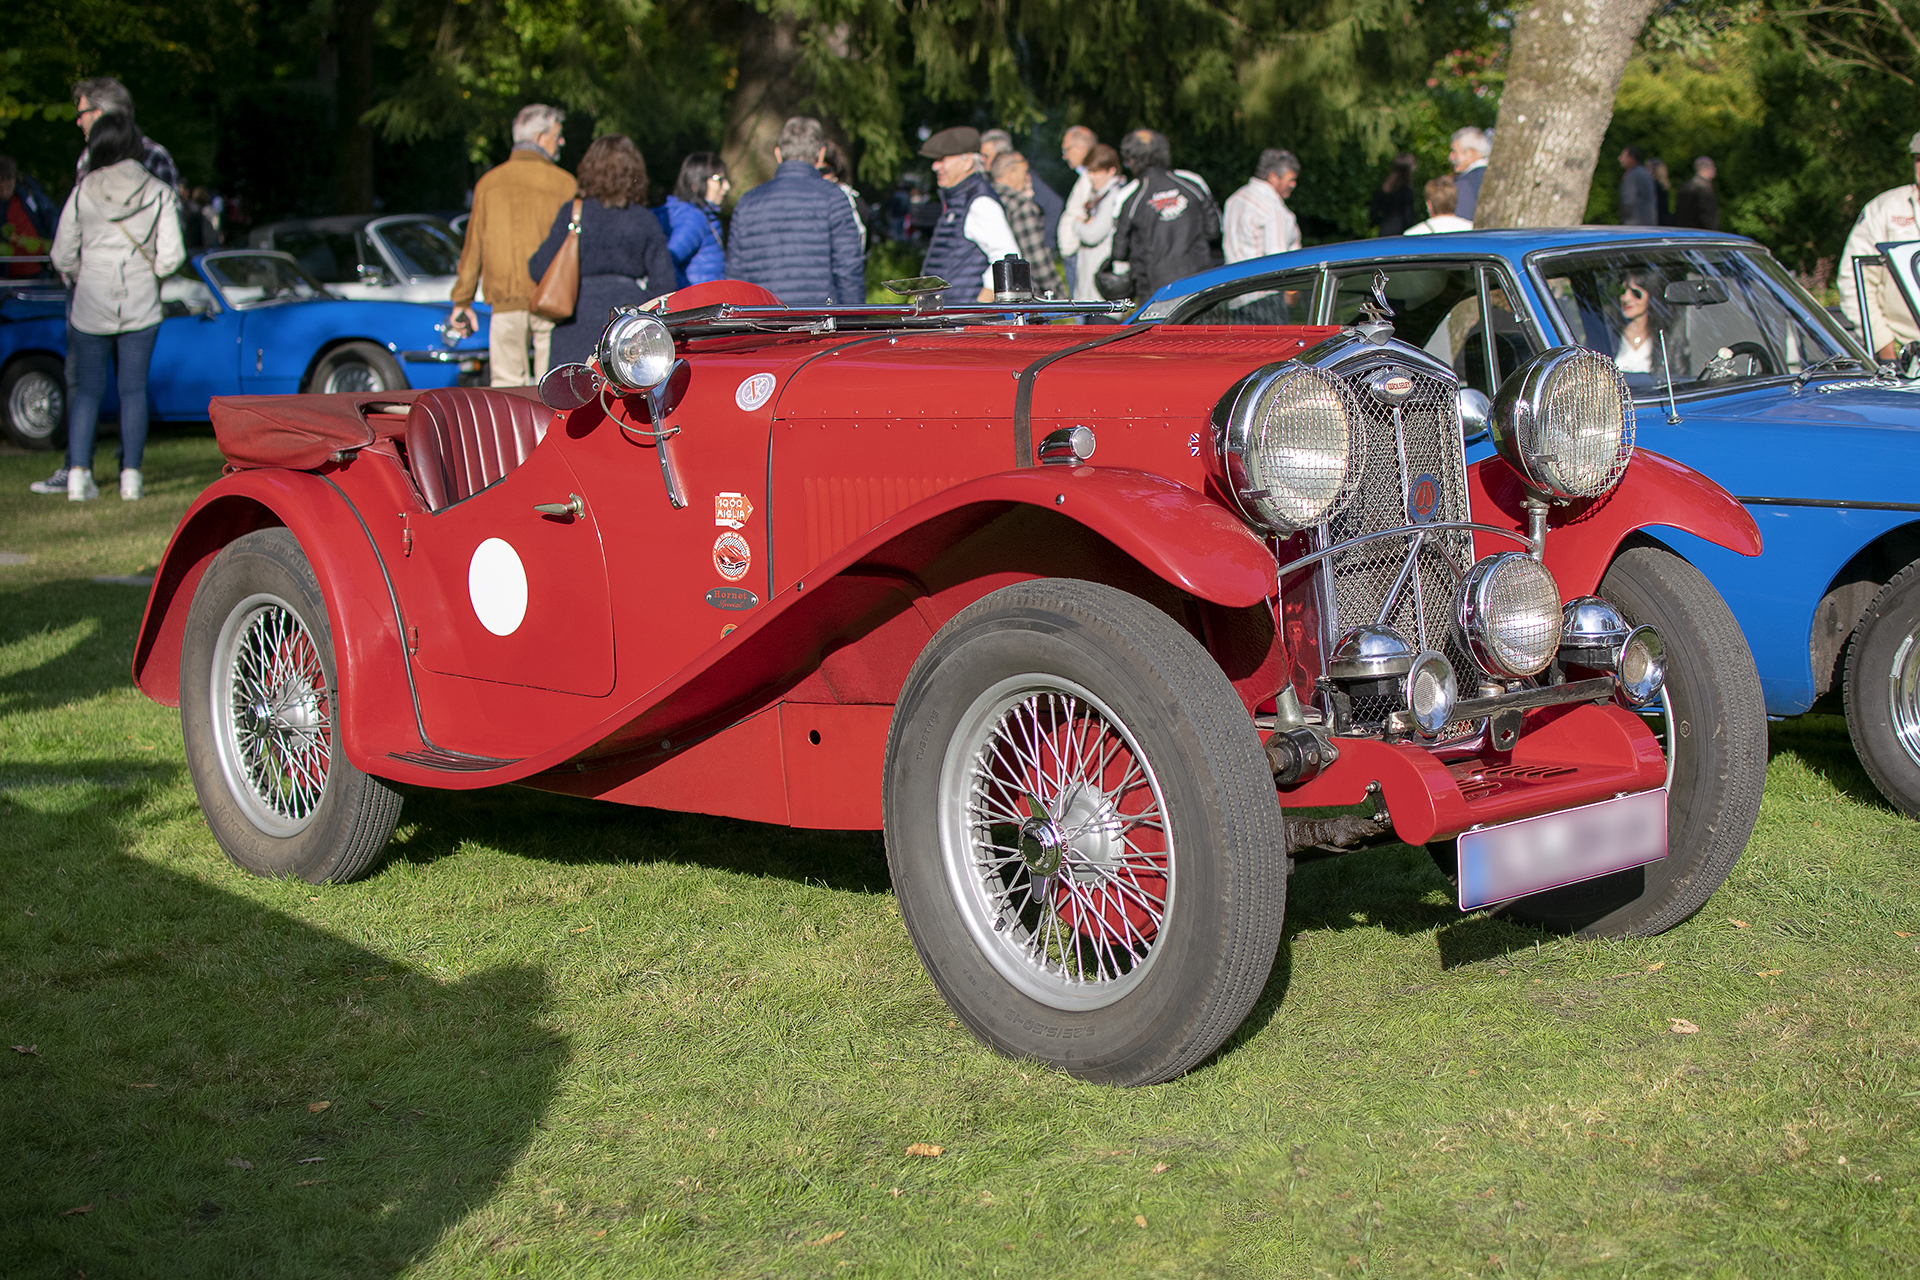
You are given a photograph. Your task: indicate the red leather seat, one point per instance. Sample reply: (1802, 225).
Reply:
(462, 439)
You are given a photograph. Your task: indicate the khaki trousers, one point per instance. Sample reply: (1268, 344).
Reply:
(507, 337)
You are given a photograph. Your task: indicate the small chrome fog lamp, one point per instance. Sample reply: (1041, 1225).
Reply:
(1641, 668)
(636, 351)
(1509, 611)
(1564, 421)
(1431, 691)
(1370, 653)
(1591, 633)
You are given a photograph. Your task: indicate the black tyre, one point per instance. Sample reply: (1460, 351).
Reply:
(33, 399)
(1718, 767)
(1084, 833)
(1883, 691)
(357, 366)
(259, 712)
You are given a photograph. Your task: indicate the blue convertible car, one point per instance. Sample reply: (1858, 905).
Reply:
(1736, 371)
(237, 321)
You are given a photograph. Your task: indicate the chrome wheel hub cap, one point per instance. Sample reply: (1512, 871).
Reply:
(1903, 696)
(1056, 842)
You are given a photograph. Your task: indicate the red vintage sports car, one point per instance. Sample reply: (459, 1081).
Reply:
(1104, 627)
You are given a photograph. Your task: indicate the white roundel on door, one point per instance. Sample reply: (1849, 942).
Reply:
(497, 585)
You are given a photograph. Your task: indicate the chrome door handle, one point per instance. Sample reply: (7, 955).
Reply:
(573, 506)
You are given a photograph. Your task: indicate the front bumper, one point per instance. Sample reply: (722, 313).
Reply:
(1571, 754)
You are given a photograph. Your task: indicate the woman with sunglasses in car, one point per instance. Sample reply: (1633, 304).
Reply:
(1639, 317)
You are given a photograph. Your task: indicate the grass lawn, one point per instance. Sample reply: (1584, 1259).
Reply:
(553, 1038)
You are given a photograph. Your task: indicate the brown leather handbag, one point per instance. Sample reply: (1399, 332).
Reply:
(559, 288)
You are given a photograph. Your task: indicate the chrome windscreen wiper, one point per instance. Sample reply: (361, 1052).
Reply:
(1807, 371)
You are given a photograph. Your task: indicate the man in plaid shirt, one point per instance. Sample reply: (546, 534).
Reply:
(1013, 183)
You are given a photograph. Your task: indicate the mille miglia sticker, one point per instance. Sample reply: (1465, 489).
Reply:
(754, 392)
(732, 598)
(732, 556)
(731, 510)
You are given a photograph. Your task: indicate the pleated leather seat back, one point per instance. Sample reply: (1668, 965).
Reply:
(462, 439)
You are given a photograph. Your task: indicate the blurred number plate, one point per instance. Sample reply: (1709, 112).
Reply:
(1518, 858)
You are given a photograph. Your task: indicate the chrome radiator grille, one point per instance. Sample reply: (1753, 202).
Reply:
(1426, 443)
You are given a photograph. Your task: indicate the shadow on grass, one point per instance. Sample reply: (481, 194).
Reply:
(1822, 743)
(167, 1119)
(574, 832)
(89, 629)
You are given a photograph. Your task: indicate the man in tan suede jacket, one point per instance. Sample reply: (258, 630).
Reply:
(513, 208)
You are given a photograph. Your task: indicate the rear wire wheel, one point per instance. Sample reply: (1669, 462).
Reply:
(259, 709)
(1084, 833)
(1883, 691)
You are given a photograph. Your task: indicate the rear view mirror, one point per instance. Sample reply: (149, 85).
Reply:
(1908, 361)
(1696, 293)
(568, 386)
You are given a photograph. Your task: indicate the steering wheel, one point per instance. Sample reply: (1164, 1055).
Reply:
(1722, 364)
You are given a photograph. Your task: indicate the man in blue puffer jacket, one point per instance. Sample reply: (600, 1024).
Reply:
(795, 234)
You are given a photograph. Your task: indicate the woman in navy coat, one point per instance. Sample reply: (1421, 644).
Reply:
(691, 219)
(623, 255)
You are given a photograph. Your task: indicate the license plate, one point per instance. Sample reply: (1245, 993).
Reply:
(1517, 858)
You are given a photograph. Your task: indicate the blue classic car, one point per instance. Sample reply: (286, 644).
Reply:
(237, 321)
(1735, 370)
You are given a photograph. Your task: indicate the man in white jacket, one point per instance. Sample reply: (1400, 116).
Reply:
(119, 236)
(1891, 215)
(1257, 220)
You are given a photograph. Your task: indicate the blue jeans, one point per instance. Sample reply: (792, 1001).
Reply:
(92, 354)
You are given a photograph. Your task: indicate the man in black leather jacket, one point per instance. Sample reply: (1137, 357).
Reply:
(1169, 226)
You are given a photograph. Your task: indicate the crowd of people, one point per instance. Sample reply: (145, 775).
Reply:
(1131, 223)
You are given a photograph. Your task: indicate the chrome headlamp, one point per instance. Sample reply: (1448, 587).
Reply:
(1288, 447)
(1564, 421)
(636, 350)
(1509, 611)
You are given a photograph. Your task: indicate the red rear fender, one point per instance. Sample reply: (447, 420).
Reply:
(376, 704)
(1582, 538)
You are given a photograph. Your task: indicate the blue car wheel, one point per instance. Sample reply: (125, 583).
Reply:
(356, 367)
(33, 397)
(1883, 691)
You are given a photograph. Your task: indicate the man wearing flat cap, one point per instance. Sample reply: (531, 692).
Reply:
(1891, 215)
(972, 233)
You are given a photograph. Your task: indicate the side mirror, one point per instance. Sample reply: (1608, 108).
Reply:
(568, 386)
(1476, 413)
(1908, 361)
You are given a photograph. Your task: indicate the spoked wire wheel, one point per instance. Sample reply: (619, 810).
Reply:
(1057, 842)
(1903, 695)
(272, 715)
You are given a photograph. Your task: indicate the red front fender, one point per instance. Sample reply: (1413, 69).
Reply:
(1582, 538)
(1182, 536)
(376, 705)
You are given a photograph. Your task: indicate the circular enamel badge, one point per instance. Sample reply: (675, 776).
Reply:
(754, 392)
(1423, 499)
(497, 585)
(732, 556)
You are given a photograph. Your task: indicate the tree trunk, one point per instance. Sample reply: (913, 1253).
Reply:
(769, 88)
(1568, 57)
(353, 97)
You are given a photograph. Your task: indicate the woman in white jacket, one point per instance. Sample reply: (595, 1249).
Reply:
(1086, 226)
(119, 237)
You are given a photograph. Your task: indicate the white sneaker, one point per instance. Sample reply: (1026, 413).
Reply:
(80, 485)
(131, 486)
(55, 483)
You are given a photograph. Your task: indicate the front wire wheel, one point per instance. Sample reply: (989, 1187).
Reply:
(1058, 850)
(1083, 833)
(259, 710)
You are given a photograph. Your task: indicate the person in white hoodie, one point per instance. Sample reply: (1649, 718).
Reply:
(119, 236)
(1086, 224)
